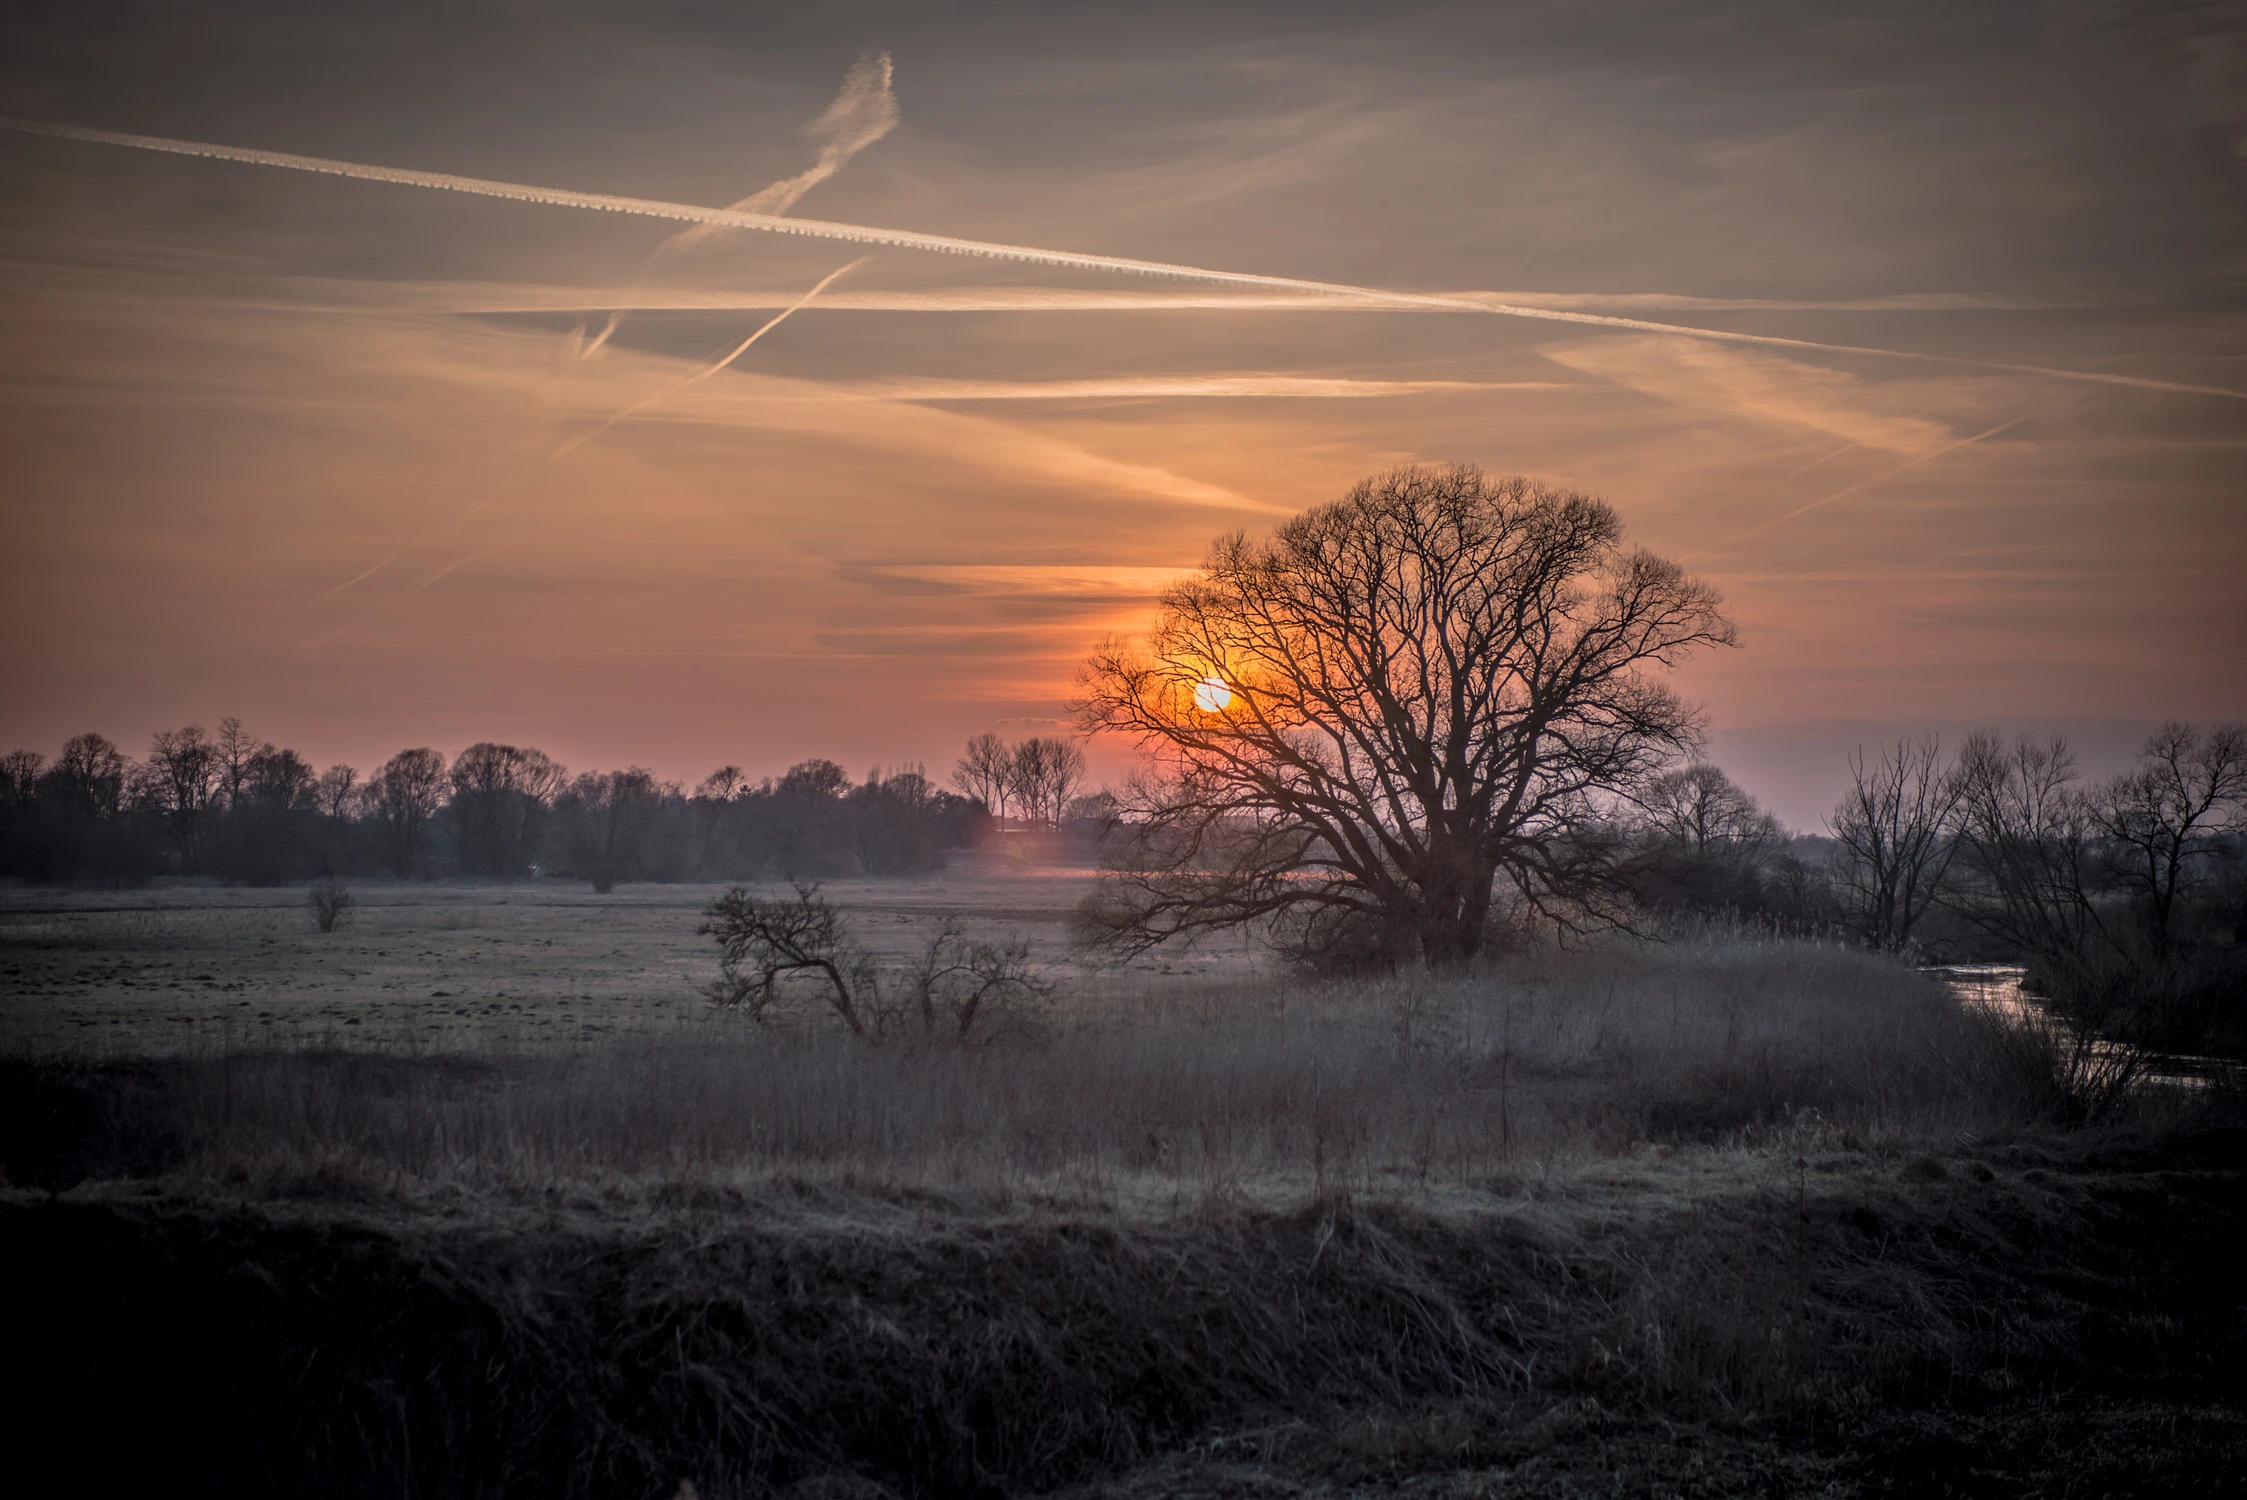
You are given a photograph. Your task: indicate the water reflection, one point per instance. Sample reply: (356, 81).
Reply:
(1998, 990)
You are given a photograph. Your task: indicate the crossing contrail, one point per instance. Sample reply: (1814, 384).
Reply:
(579, 441)
(863, 111)
(708, 370)
(1863, 485)
(907, 239)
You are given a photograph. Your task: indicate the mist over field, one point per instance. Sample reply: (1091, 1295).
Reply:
(884, 751)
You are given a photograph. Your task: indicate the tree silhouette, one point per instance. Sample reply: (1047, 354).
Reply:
(985, 771)
(400, 800)
(1894, 839)
(1364, 722)
(2163, 815)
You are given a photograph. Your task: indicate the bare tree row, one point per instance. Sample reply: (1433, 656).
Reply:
(2009, 835)
(1035, 780)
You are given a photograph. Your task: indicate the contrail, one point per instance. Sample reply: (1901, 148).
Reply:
(1912, 463)
(636, 298)
(1828, 458)
(906, 239)
(707, 370)
(947, 300)
(575, 443)
(363, 577)
(1157, 387)
(862, 112)
(451, 568)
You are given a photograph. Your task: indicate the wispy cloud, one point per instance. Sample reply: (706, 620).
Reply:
(1077, 260)
(1866, 484)
(1156, 387)
(863, 111)
(1759, 387)
(1680, 302)
(970, 444)
(1067, 580)
(475, 298)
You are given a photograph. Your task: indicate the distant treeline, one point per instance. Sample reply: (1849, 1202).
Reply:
(2125, 898)
(2003, 838)
(230, 806)
(2000, 849)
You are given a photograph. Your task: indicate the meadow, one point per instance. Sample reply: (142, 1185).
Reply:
(479, 1195)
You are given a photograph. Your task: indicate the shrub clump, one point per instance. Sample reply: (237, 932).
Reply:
(330, 903)
(958, 985)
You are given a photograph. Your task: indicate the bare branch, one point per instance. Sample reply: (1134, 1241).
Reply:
(1434, 680)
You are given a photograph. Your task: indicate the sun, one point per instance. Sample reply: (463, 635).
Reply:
(1211, 695)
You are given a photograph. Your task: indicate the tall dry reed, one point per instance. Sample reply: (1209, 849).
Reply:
(1412, 1080)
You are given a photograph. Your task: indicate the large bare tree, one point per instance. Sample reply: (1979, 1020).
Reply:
(1398, 699)
(500, 798)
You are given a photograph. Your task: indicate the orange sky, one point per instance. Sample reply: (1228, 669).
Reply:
(901, 517)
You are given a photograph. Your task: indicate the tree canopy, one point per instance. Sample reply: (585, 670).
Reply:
(1357, 726)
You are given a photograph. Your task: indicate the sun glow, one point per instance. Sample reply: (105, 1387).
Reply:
(1211, 695)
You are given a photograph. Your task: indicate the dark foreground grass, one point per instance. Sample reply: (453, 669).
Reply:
(1976, 1319)
(1724, 1219)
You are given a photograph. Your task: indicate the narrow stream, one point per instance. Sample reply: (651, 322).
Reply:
(1996, 988)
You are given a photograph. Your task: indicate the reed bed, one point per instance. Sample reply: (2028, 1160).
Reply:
(1254, 1085)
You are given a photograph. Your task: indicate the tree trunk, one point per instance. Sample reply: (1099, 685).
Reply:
(1454, 917)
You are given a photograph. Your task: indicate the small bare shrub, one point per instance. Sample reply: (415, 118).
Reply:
(330, 902)
(761, 942)
(960, 982)
(957, 982)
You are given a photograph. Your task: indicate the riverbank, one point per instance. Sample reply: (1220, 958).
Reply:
(1991, 1319)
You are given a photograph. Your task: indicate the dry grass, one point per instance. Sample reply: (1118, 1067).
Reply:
(458, 966)
(1255, 1087)
(865, 1343)
(1222, 1231)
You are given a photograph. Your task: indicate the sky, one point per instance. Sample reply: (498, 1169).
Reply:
(373, 466)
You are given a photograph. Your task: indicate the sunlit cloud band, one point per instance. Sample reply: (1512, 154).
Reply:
(949, 245)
